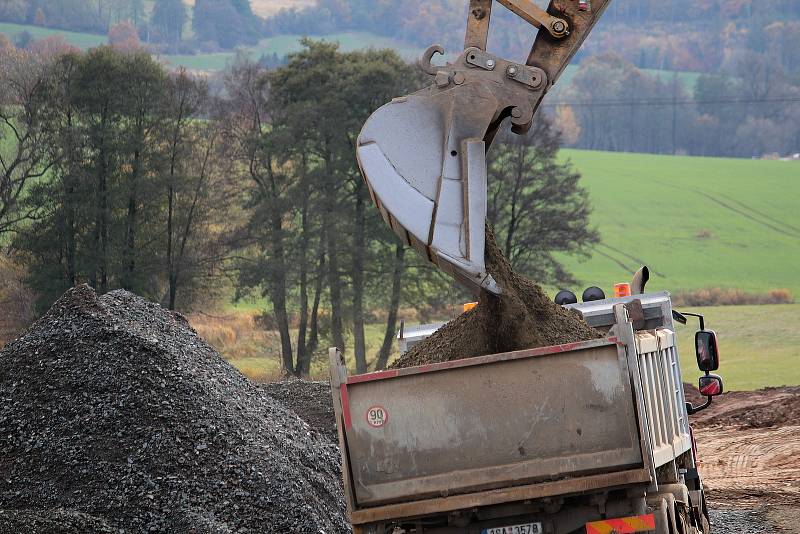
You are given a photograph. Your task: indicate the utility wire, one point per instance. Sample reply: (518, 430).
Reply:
(671, 102)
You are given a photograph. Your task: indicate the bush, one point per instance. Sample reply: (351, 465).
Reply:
(719, 296)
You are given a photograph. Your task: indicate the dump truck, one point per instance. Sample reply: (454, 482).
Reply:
(587, 437)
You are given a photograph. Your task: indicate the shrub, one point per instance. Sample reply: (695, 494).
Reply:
(719, 296)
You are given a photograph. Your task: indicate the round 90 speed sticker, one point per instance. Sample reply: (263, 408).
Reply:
(377, 416)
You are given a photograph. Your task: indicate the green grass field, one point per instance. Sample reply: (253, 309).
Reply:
(280, 45)
(286, 44)
(759, 345)
(81, 40)
(696, 222)
(268, 366)
(687, 79)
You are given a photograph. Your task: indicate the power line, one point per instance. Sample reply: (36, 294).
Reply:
(672, 102)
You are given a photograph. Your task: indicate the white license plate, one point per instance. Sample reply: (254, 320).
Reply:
(527, 528)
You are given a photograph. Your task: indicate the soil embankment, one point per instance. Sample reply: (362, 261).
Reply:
(749, 445)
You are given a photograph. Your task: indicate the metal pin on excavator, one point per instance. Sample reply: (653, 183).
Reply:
(424, 155)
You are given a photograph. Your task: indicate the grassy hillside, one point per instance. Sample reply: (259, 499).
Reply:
(280, 45)
(696, 222)
(265, 8)
(81, 40)
(285, 44)
(687, 79)
(759, 345)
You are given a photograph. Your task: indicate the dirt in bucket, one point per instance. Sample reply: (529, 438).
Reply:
(522, 317)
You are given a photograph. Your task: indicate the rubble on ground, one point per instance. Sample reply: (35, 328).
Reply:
(770, 407)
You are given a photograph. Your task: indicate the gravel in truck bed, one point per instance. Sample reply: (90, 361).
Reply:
(522, 317)
(116, 417)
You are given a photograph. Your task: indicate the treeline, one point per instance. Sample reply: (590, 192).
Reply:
(676, 34)
(118, 173)
(751, 109)
(215, 24)
(76, 15)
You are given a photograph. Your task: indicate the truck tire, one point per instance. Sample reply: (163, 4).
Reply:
(684, 519)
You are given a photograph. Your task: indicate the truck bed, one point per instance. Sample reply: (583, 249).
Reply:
(490, 422)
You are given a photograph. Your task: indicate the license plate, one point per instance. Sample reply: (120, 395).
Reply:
(527, 528)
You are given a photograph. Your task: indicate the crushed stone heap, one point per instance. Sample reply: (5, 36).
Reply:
(115, 416)
(312, 401)
(523, 317)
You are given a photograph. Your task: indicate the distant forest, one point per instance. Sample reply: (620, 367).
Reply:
(743, 100)
(683, 35)
(735, 90)
(215, 24)
(686, 35)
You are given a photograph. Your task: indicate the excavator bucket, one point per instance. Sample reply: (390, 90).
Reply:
(423, 156)
(425, 163)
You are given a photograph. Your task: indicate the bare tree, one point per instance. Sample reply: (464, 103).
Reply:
(200, 197)
(26, 148)
(251, 145)
(536, 205)
(394, 305)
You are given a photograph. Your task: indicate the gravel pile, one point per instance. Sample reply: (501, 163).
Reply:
(56, 521)
(312, 401)
(115, 415)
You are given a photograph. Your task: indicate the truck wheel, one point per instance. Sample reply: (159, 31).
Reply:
(684, 520)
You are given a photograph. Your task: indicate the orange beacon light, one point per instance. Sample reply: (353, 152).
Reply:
(622, 290)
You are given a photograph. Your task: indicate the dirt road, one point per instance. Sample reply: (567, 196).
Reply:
(749, 443)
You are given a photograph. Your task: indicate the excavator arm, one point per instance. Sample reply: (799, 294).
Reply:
(423, 156)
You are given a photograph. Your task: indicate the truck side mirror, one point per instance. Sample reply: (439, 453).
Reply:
(707, 348)
(711, 385)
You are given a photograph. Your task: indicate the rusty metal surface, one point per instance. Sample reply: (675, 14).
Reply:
(532, 14)
(480, 14)
(478, 427)
(500, 496)
(553, 55)
(338, 379)
(483, 360)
